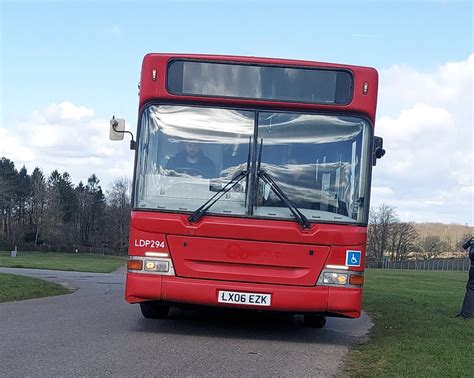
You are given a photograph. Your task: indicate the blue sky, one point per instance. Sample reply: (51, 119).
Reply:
(89, 53)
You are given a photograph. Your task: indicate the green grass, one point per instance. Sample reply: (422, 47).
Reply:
(416, 332)
(16, 288)
(62, 261)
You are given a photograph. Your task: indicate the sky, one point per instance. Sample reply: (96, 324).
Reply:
(67, 66)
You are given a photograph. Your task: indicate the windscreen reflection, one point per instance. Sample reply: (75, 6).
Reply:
(188, 153)
(318, 161)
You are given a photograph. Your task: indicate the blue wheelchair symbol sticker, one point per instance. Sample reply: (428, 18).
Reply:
(353, 258)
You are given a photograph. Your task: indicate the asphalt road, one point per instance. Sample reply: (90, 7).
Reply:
(94, 332)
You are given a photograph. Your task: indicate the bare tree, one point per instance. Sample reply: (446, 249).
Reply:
(402, 240)
(118, 212)
(91, 206)
(379, 232)
(432, 245)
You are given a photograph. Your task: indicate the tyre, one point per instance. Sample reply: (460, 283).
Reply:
(314, 320)
(154, 310)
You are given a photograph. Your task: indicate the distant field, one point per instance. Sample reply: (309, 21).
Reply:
(16, 288)
(416, 332)
(62, 261)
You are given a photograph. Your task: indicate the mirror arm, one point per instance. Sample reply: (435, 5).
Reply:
(114, 123)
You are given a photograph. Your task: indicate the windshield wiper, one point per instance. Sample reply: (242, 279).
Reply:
(299, 216)
(198, 213)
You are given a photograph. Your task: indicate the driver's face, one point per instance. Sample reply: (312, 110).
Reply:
(192, 149)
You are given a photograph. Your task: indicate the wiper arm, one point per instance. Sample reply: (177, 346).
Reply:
(299, 216)
(198, 213)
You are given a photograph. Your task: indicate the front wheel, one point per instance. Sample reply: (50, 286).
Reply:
(314, 320)
(154, 310)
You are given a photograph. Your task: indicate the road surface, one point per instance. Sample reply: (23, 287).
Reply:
(93, 331)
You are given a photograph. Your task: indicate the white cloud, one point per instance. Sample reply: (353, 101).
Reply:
(64, 111)
(69, 138)
(401, 87)
(426, 120)
(382, 191)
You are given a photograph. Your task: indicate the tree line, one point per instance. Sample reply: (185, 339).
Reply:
(52, 213)
(38, 211)
(390, 239)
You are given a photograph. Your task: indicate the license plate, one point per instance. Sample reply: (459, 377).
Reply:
(252, 299)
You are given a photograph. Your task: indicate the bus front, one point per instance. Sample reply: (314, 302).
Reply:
(251, 185)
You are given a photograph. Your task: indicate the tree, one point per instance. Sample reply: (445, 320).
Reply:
(82, 212)
(91, 206)
(8, 180)
(96, 209)
(36, 210)
(61, 208)
(379, 231)
(432, 245)
(402, 240)
(38, 201)
(23, 193)
(118, 213)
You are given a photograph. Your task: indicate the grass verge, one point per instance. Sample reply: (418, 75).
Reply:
(62, 261)
(416, 332)
(17, 288)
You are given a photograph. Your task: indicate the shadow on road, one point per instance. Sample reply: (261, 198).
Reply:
(241, 324)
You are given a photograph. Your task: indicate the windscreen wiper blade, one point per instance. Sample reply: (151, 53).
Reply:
(198, 213)
(299, 216)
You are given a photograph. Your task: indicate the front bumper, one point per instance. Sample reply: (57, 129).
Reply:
(298, 299)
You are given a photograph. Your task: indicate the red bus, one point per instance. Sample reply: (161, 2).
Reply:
(251, 185)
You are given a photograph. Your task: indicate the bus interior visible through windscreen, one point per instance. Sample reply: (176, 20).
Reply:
(187, 153)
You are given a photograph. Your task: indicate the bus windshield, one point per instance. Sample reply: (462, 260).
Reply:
(188, 153)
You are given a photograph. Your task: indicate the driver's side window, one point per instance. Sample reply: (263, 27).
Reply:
(189, 159)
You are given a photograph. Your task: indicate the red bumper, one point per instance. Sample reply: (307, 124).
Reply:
(334, 300)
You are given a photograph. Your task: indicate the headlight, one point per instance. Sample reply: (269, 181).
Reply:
(149, 265)
(157, 266)
(335, 278)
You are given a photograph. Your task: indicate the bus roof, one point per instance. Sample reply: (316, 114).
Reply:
(154, 83)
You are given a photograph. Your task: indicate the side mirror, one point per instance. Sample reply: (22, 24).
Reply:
(117, 128)
(378, 149)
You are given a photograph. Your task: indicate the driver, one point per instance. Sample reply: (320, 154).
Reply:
(193, 162)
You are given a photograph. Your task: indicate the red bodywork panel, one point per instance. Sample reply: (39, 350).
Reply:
(241, 254)
(345, 302)
(155, 90)
(247, 255)
(247, 261)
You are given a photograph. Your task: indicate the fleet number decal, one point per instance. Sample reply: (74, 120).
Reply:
(149, 243)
